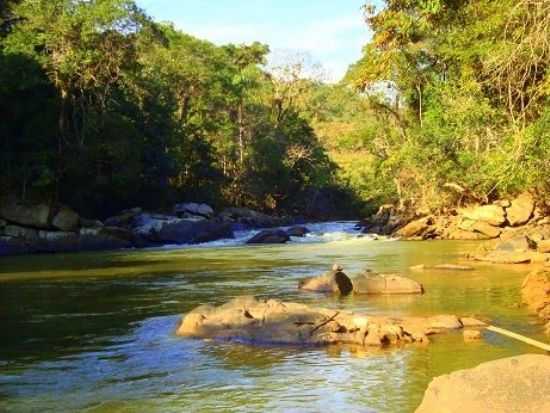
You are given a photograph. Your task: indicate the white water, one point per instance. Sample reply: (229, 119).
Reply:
(322, 232)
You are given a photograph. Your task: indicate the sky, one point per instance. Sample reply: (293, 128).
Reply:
(328, 32)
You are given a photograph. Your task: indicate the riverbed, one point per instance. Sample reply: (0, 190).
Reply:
(94, 332)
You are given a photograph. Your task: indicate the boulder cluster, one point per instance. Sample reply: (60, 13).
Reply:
(502, 219)
(43, 228)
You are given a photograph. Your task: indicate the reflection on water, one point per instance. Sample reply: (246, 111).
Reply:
(95, 332)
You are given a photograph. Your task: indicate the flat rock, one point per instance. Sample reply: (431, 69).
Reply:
(520, 210)
(251, 320)
(453, 267)
(511, 385)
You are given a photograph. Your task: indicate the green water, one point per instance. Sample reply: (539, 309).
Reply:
(95, 332)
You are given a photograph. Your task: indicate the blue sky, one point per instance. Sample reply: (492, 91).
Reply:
(331, 32)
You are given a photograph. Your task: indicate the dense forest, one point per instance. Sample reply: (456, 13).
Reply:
(102, 109)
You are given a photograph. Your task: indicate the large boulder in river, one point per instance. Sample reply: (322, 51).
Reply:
(491, 214)
(482, 227)
(194, 232)
(269, 237)
(521, 209)
(20, 213)
(518, 384)
(250, 320)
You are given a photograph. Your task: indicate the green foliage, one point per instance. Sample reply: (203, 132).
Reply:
(471, 80)
(107, 109)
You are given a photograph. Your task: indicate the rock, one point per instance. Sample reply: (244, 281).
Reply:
(57, 241)
(335, 281)
(504, 203)
(252, 218)
(90, 223)
(15, 231)
(372, 283)
(486, 229)
(250, 320)
(472, 322)
(415, 228)
(36, 216)
(503, 257)
(269, 237)
(535, 292)
(471, 335)
(193, 208)
(420, 267)
(519, 244)
(466, 235)
(445, 321)
(124, 218)
(66, 220)
(543, 246)
(521, 209)
(510, 385)
(297, 231)
(453, 267)
(491, 214)
(105, 238)
(193, 232)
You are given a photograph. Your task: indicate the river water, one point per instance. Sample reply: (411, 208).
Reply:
(94, 332)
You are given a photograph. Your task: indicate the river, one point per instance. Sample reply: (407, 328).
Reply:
(94, 332)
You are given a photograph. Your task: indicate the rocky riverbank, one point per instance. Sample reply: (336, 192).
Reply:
(504, 219)
(42, 228)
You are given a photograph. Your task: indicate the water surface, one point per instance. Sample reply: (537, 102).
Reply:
(95, 332)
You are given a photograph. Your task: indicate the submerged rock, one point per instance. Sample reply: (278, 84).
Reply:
(250, 320)
(510, 385)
